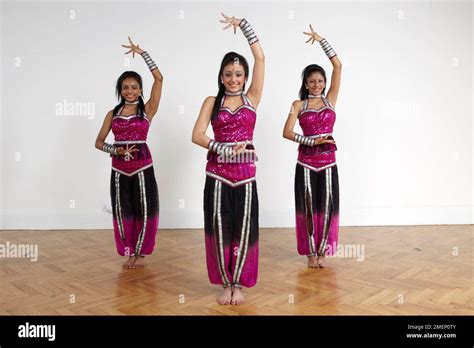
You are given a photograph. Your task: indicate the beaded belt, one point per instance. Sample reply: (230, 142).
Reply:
(249, 142)
(129, 142)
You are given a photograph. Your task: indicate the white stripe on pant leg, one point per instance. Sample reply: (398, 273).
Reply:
(247, 234)
(215, 229)
(214, 210)
(220, 237)
(242, 233)
(326, 211)
(307, 188)
(118, 207)
(313, 246)
(141, 237)
(140, 189)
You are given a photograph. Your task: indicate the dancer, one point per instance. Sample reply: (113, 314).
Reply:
(133, 187)
(230, 192)
(316, 178)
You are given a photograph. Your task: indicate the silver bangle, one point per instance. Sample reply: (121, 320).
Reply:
(110, 149)
(304, 140)
(151, 64)
(220, 148)
(248, 31)
(327, 48)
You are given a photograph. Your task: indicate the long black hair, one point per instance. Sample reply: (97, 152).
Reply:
(229, 58)
(118, 91)
(304, 76)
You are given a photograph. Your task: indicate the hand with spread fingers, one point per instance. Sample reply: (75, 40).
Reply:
(230, 21)
(127, 152)
(133, 48)
(313, 35)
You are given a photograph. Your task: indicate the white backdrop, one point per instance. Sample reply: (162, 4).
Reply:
(404, 113)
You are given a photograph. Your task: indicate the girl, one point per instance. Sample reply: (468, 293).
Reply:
(230, 192)
(316, 178)
(133, 187)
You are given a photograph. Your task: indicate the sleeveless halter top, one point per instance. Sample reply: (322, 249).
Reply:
(317, 123)
(233, 127)
(131, 132)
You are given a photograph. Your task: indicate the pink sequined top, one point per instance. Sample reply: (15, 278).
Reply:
(233, 127)
(131, 131)
(315, 123)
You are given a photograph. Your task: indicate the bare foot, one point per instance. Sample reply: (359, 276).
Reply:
(320, 261)
(312, 262)
(128, 264)
(139, 262)
(237, 296)
(225, 297)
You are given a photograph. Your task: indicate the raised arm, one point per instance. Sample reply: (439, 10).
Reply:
(151, 106)
(258, 75)
(255, 90)
(336, 65)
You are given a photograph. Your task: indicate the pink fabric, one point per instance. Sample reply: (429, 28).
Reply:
(313, 123)
(317, 122)
(132, 229)
(317, 160)
(249, 275)
(302, 237)
(141, 159)
(233, 126)
(131, 128)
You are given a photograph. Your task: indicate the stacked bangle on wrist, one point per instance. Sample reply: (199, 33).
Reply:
(220, 148)
(110, 149)
(151, 64)
(327, 48)
(304, 140)
(248, 31)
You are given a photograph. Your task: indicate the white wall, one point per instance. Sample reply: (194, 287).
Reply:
(404, 112)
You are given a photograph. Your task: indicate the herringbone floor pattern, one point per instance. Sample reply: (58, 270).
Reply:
(406, 270)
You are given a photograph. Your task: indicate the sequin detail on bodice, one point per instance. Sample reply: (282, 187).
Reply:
(314, 123)
(231, 127)
(131, 132)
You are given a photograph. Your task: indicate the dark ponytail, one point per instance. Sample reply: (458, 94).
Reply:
(217, 103)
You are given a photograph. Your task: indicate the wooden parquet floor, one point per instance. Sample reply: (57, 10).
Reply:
(415, 270)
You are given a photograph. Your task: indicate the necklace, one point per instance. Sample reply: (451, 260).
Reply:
(131, 103)
(233, 93)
